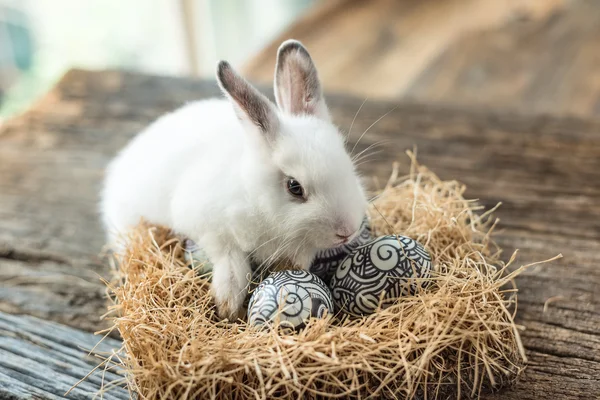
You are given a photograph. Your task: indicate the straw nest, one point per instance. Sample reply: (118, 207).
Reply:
(456, 338)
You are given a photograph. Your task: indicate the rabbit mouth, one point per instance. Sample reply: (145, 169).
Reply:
(340, 240)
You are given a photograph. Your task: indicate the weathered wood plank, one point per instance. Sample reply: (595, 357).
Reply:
(549, 65)
(14, 389)
(545, 170)
(377, 48)
(45, 359)
(71, 293)
(533, 56)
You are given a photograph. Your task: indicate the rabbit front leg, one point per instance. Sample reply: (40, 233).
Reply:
(231, 271)
(304, 260)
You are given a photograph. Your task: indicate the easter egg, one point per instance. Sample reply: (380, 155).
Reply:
(379, 272)
(291, 298)
(196, 258)
(326, 261)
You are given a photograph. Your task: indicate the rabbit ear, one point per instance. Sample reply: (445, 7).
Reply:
(297, 86)
(252, 107)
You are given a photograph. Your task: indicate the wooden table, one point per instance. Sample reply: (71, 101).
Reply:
(545, 170)
(532, 55)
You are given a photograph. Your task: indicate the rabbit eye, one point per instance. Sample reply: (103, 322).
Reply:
(294, 188)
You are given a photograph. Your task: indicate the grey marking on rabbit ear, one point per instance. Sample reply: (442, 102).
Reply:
(297, 86)
(250, 103)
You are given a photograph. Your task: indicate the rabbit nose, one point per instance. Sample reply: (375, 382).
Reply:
(344, 232)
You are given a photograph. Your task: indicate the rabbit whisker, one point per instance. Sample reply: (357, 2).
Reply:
(356, 115)
(370, 126)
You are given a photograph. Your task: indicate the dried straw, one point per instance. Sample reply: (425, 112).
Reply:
(456, 338)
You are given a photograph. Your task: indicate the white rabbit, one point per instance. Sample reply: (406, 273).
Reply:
(243, 179)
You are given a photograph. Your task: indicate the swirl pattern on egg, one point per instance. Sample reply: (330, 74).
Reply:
(383, 269)
(291, 297)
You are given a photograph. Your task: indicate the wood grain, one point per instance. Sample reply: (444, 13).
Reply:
(550, 65)
(378, 48)
(527, 56)
(545, 170)
(42, 359)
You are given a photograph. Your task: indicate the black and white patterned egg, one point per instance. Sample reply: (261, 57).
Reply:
(196, 258)
(380, 271)
(326, 261)
(290, 298)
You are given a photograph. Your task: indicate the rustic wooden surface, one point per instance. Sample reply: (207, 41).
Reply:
(545, 170)
(361, 42)
(532, 56)
(42, 359)
(550, 65)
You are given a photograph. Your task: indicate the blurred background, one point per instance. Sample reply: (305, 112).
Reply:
(41, 39)
(529, 55)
